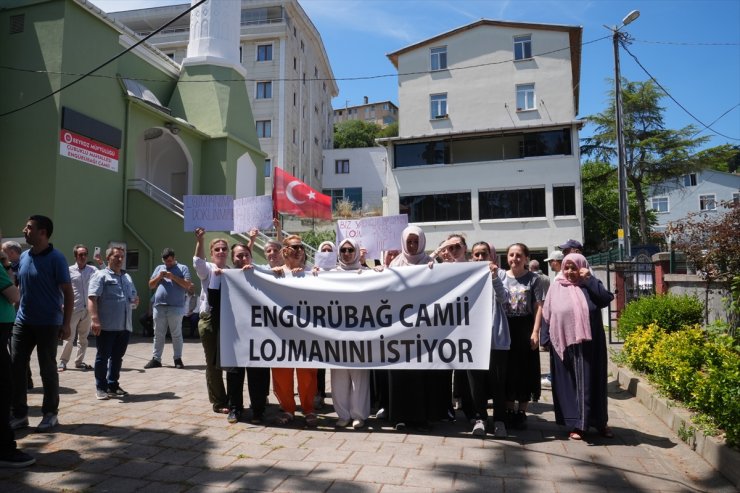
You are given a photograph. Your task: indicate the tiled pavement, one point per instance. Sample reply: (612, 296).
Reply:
(164, 438)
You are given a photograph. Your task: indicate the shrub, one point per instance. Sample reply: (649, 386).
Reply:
(671, 311)
(639, 345)
(676, 361)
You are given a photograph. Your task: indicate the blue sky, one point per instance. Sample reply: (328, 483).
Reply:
(692, 48)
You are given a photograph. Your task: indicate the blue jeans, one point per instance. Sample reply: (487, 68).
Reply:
(167, 316)
(112, 345)
(44, 338)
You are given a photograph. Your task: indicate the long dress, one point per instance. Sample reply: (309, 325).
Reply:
(579, 380)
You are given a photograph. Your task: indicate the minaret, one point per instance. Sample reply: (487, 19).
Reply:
(214, 33)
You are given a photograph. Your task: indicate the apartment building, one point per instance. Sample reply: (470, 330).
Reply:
(382, 113)
(289, 78)
(357, 175)
(488, 135)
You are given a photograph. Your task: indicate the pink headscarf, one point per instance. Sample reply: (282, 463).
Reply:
(566, 310)
(412, 258)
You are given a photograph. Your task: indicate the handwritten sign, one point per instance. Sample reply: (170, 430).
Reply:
(252, 212)
(374, 233)
(211, 212)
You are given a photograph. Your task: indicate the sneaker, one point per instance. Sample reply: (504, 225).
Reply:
(83, 366)
(18, 423)
(178, 364)
(381, 414)
(153, 363)
(546, 381)
(341, 423)
(48, 422)
(479, 429)
(62, 366)
(400, 427)
(16, 459)
(312, 420)
(357, 424)
(101, 395)
(117, 392)
(233, 416)
(318, 402)
(499, 429)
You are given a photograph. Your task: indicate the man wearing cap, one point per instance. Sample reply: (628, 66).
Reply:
(555, 261)
(571, 246)
(171, 282)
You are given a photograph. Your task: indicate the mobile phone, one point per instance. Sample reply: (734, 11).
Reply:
(97, 252)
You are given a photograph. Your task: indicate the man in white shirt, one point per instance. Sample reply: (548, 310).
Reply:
(80, 273)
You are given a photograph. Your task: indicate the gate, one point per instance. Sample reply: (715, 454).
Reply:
(633, 279)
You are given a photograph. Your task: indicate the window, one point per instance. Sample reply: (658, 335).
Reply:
(689, 180)
(421, 153)
(439, 58)
(439, 207)
(438, 105)
(264, 129)
(294, 99)
(316, 72)
(295, 141)
(132, 260)
(564, 200)
(508, 204)
(303, 46)
(264, 53)
(341, 166)
(241, 59)
(707, 202)
(264, 90)
(353, 194)
(525, 99)
(295, 63)
(659, 204)
(523, 47)
(268, 168)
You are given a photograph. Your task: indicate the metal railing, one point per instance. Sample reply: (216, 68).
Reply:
(158, 195)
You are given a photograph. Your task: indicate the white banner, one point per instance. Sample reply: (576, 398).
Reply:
(407, 317)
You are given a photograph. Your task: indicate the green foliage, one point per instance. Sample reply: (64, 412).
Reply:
(672, 312)
(725, 157)
(315, 238)
(690, 365)
(653, 153)
(390, 130)
(639, 345)
(676, 360)
(355, 133)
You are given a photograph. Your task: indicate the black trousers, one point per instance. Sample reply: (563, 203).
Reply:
(258, 383)
(491, 383)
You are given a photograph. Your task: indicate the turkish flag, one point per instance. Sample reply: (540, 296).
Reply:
(291, 196)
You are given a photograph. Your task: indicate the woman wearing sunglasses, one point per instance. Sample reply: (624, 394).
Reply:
(294, 255)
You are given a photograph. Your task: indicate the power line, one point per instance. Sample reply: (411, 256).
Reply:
(685, 43)
(287, 79)
(717, 119)
(708, 127)
(83, 76)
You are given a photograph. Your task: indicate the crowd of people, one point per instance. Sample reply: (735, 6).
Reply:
(530, 310)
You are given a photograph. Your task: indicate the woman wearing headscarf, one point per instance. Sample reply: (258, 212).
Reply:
(318, 402)
(574, 333)
(350, 387)
(294, 255)
(411, 391)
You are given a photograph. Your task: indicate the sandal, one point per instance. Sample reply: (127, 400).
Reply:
(576, 435)
(312, 420)
(284, 418)
(83, 366)
(606, 432)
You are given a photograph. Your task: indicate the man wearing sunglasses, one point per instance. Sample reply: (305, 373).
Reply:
(171, 282)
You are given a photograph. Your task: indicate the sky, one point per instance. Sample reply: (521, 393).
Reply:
(692, 48)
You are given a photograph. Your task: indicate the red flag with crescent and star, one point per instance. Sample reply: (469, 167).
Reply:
(291, 196)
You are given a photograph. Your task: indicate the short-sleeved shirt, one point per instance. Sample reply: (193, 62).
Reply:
(7, 310)
(80, 279)
(524, 292)
(39, 278)
(168, 292)
(115, 293)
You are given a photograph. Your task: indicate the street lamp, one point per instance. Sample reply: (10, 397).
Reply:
(624, 219)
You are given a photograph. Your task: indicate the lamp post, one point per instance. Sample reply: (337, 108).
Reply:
(624, 220)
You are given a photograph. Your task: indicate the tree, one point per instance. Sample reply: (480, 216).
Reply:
(653, 154)
(725, 157)
(390, 130)
(355, 133)
(601, 206)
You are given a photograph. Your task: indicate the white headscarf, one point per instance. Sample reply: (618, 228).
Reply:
(412, 258)
(354, 263)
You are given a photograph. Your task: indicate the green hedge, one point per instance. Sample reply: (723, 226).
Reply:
(672, 312)
(689, 365)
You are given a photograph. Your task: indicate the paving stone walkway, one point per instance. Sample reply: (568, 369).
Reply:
(165, 438)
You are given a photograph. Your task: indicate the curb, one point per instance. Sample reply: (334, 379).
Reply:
(723, 458)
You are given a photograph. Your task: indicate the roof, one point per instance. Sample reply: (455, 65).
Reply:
(575, 34)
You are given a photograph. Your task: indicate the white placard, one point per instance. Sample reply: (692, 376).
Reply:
(210, 212)
(325, 260)
(374, 234)
(406, 317)
(252, 212)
